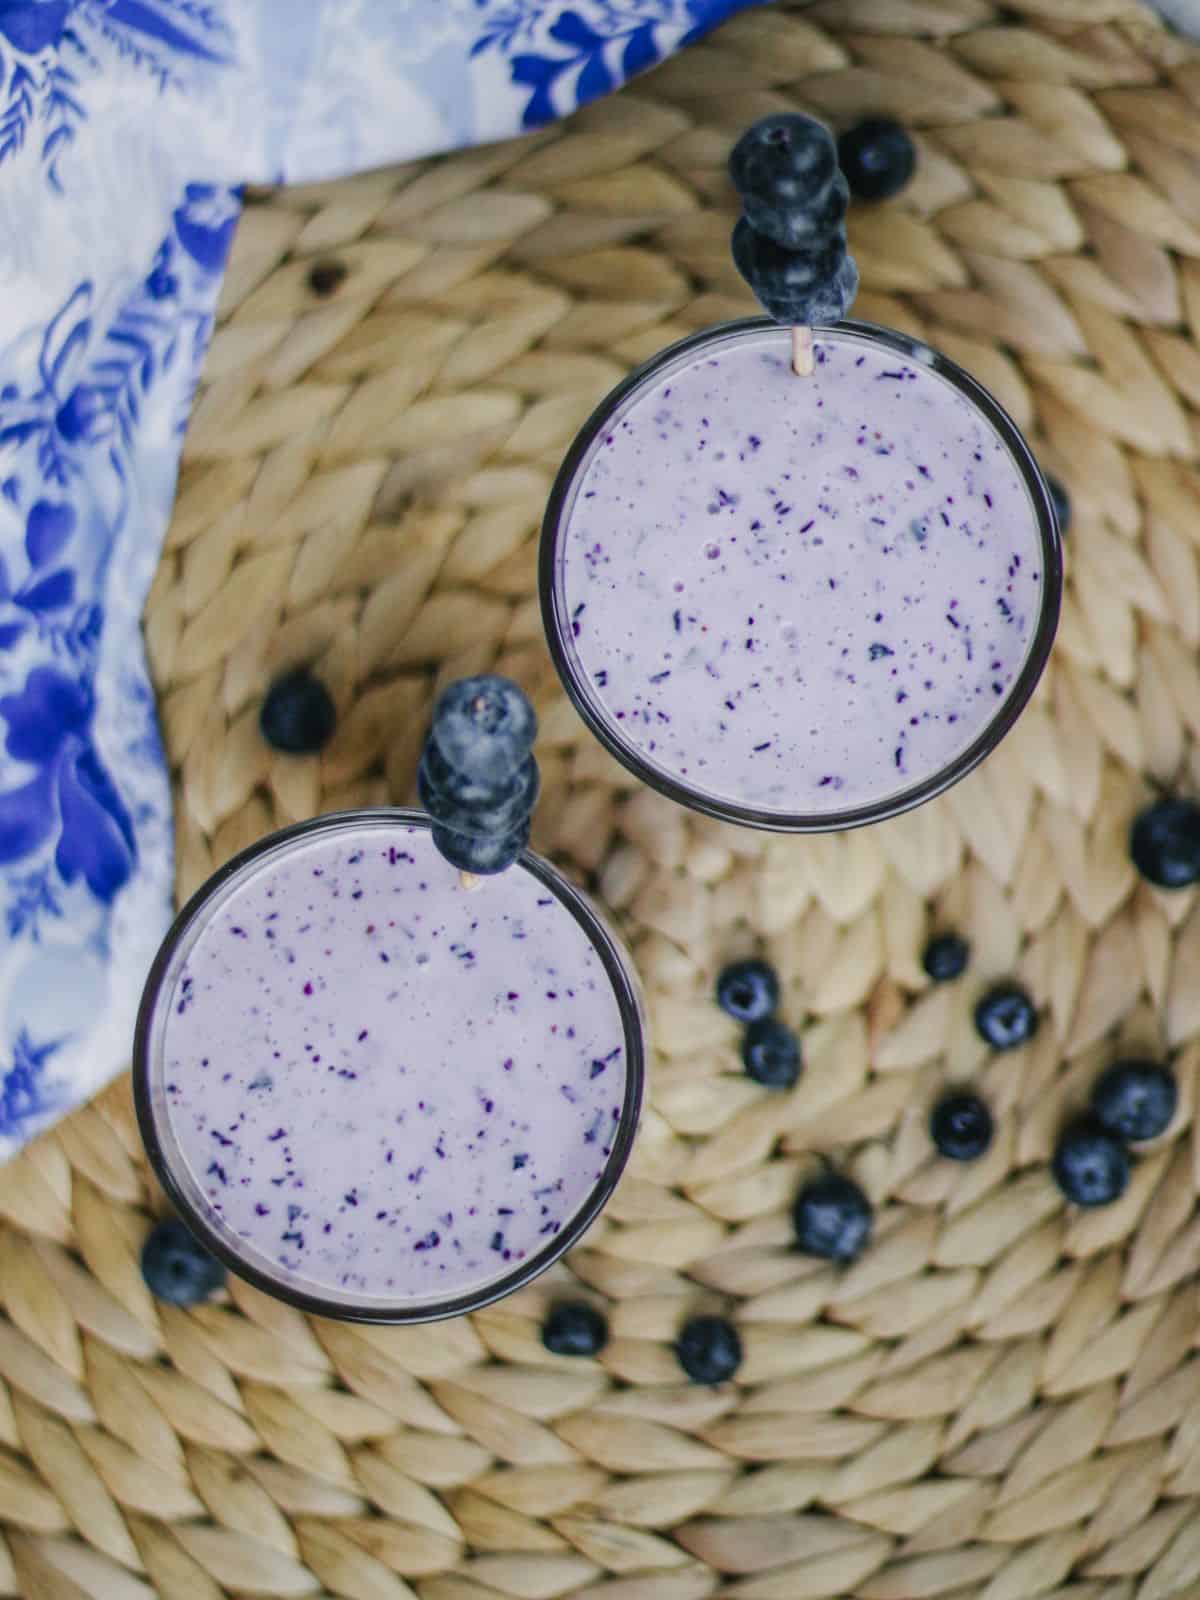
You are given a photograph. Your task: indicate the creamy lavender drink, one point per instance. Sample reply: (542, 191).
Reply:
(377, 1091)
(800, 602)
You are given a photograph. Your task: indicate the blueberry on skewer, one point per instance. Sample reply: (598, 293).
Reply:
(478, 778)
(790, 246)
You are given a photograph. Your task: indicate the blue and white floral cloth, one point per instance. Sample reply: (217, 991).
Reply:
(126, 130)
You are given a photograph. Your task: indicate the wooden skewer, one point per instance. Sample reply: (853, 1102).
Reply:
(802, 351)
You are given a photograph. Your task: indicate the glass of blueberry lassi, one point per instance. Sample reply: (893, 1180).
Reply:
(380, 1088)
(798, 572)
(800, 603)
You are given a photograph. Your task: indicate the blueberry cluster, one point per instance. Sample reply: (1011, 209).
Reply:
(790, 244)
(478, 778)
(748, 991)
(1131, 1101)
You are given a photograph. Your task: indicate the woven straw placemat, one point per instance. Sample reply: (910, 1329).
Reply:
(1002, 1399)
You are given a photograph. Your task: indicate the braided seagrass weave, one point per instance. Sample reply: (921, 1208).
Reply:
(1001, 1400)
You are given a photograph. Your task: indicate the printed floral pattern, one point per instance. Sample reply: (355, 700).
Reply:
(57, 46)
(564, 57)
(98, 365)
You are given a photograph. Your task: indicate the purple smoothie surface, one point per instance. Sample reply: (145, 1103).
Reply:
(799, 594)
(385, 1085)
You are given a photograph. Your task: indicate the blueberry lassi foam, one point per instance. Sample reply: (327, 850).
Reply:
(382, 1084)
(797, 596)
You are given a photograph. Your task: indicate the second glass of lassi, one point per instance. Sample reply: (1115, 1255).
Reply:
(379, 1088)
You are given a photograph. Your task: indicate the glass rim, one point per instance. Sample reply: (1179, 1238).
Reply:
(618, 968)
(557, 625)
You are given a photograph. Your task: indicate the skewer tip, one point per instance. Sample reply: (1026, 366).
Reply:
(802, 351)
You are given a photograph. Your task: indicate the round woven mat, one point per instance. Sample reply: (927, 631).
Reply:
(1002, 1399)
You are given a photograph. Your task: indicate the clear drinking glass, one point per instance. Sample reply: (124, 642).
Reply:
(304, 1073)
(639, 573)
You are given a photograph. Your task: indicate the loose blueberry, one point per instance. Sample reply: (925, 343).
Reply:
(771, 1054)
(298, 715)
(833, 1218)
(796, 287)
(1135, 1100)
(961, 1126)
(177, 1268)
(574, 1328)
(1005, 1017)
(481, 854)
(747, 991)
(1164, 843)
(484, 727)
(946, 957)
(1061, 502)
(463, 806)
(1090, 1165)
(709, 1349)
(878, 158)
